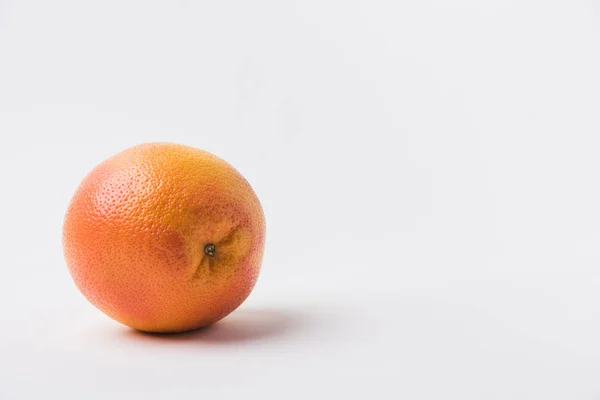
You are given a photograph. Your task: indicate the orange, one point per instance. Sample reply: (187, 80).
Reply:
(164, 237)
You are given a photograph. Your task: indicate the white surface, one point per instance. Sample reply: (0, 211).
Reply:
(429, 172)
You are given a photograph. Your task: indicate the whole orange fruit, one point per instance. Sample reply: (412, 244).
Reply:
(164, 237)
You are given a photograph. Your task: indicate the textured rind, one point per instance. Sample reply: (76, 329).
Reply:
(135, 230)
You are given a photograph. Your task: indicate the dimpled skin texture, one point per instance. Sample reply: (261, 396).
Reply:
(135, 232)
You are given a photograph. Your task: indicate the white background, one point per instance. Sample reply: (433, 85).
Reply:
(429, 172)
